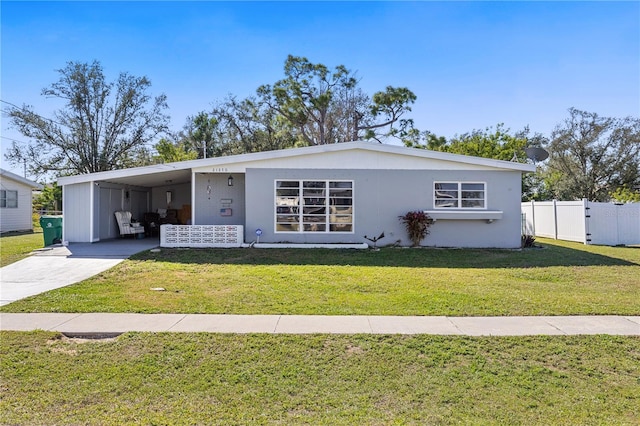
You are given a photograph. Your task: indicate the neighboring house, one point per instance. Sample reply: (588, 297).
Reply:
(16, 202)
(323, 194)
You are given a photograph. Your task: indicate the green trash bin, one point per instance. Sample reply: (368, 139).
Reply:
(51, 229)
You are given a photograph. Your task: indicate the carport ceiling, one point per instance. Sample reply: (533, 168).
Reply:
(150, 180)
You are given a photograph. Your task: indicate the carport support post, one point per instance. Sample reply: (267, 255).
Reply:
(193, 197)
(92, 195)
(64, 216)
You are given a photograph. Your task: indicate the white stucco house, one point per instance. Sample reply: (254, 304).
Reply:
(325, 194)
(16, 205)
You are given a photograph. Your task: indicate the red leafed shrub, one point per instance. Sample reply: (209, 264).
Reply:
(417, 224)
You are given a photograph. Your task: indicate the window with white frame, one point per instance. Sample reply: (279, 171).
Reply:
(314, 206)
(8, 199)
(459, 195)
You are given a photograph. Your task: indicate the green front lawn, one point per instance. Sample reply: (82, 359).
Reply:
(208, 378)
(561, 278)
(319, 379)
(17, 246)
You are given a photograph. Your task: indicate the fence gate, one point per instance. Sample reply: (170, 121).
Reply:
(583, 221)
(614, 224)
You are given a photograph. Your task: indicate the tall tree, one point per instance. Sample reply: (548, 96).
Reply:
(170, 152)
(415, 138)
(102, 125)
(200, 135)
(591, 156)
(324, 106)
(498, 143)
(250, 126)
(388, 106)
(304, 97)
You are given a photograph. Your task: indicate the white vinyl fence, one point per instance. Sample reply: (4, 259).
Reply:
(583, 221)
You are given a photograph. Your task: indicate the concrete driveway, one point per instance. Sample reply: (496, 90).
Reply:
(58, 266)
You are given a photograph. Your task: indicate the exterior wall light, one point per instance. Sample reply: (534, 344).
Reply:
(230, 180)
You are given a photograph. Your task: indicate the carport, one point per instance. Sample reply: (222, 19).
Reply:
(90, 201)
(89, 205)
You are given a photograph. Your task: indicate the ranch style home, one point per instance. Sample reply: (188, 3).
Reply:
(328, 194)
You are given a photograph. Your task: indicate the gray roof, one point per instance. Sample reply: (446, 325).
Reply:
(7, 174)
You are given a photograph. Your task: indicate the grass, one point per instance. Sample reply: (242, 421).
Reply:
(165, 378)
(17, 246)
(207, 378)
(561, 278)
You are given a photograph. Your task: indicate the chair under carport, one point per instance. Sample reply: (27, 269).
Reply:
(126, 226)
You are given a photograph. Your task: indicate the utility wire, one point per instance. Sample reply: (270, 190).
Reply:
(31, 112)
(11, 139)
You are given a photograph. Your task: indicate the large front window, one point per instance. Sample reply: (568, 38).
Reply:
(314, 206)
(459, 195)
(8, 199)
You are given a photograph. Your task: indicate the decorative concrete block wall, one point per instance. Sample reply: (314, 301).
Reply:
(201, 235)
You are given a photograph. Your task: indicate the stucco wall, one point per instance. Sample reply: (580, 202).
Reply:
(380, 196)
(212, 193)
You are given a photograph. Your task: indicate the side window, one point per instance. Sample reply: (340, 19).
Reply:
(459, 195)
(472, 195)
(8, 199)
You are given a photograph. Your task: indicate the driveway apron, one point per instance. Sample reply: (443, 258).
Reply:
(59, 266)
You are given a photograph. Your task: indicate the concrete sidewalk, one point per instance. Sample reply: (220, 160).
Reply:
(58, 266)
(105, 324)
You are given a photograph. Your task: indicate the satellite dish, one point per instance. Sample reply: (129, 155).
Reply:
(536, 153)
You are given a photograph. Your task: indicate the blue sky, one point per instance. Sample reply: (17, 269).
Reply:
(471, 64)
